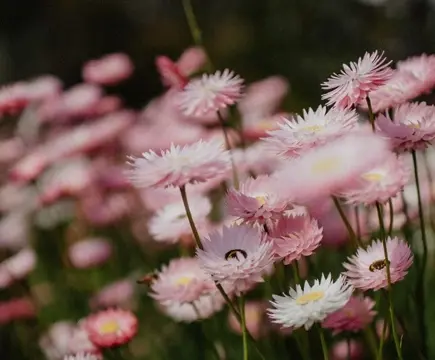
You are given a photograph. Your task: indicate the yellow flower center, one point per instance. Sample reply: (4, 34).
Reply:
(184, 280)
(373, 176)
(261, 200)
(109, 327)
(312, 128)
(310, 297)
(415, 126)
(326, 165)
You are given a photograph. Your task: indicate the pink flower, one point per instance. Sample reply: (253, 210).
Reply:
(356, 315)
(295, 237)
(16, 309)
(366, 270)
(255, 312)
(192, 60)
(55, 342)
(30, 166)
(17, 267)
(44, 88)
(238, 255)
(313, 128)
(182, 281)
(210, 93)
(179, 166)
(257, 201)
(112, 327)
(108, 70)
(352, 85)
(11, 149)
(423, 68)
(170, 223)
(89, 252)
(13, 98)
(379, 184)
(114, 294)
(331, 168)
(340, 350)
(412, 126)
(78, 341)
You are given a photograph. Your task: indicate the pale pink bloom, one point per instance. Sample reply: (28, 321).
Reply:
(340, 350)
(170, 73)
(238, 255)
(11, 149)
(170, 223)
(356, 315)
(16, 197)
(16, 309)
(111, 176)
(14, 230)
(17, 267)
(211, 93)
(114, 294)
(107, 105)
(191, 60)
(104, 209)
(257, 128)
(179, 166)
(202, 308)
(380, 183)
(83, 356)
(356, 80)
(313, 128)
(112, 327)
(89, 252)
(366, 270)
(412, 126)
(181, 281)
(30, 166)
(399, 219)
(79, 341)
(43, 88)
(255, 312)
(55, 342)
(422, 67)
(295, 237)
(108, 70)
(331, 168)
(13, 98)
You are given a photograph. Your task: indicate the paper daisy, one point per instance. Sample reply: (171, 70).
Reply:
(352, 85)
(366, 269)
(210, 93)
(313, 128)
(423, 68)
(179, 166)
(112, 327)
(238, 255)
(304, 307)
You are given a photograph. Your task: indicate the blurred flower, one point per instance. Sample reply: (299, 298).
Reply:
(170, 223)
(108, 70)
(340, 349)
(412, 126)
(11, 149)
(14, 230)
(89, 252)
(210, 93)
(55, 342)
(83, 356)
(17, 198)
(294, 237)
(79, 341)
(179, 166)
(313, 128)
(43, 88)
(117, 293)
(170, 73)
(352, 85)
(50, 216)
(16, 309)
(255, 317)
(304, 307)
(13, 98)
(191, 60)
(356, 315)
(17, 267)
(423, 68)
(112, 327)
(238, 255)
(366, 270)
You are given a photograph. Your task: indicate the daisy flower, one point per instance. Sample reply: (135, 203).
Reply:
(170, 223)
(304, 307)
(313, 128)
(330, 168)
(295, 237)
(181, 281)
(109, 70)
(238, 255)
(412, 126)
(210, 93)
(112, 327)
(422, 67)
(179, 166)
(352, 85)
(366, 269)
(380, 183)
(356, 315)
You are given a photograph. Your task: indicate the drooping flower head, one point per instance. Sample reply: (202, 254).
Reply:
(412, 126)
(379, 184)
(179, 166)
(294, 237)
(313, 128)
(366, 269)
(210, 93)
(112, 327)
(238, 255)
(356, 315)
(304, 307)
(356, 80)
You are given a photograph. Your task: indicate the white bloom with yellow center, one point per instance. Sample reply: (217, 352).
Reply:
(304, 307)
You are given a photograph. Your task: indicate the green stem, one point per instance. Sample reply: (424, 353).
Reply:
(381, 342)
(421, 280)
(371, 340)
(390, 289)
(190, 218)
(243, 325)
(390, 207)
(323, 342)
(371, 114)
(346, 222)
(358, 225)
(228, 146)
(296, 273)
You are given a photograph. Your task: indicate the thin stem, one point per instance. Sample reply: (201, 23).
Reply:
(421, 279)
(189, 217)
(358, 225)
(303, 347)
(243, 325)
(296, 273)
(371, 340)
(349, 228)
(323, 342)
(228, 146)
(371, 114)
(381, 342)
(390, 290)
(390, 207)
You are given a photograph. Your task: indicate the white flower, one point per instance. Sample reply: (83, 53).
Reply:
(304, 307)
(82, 356)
